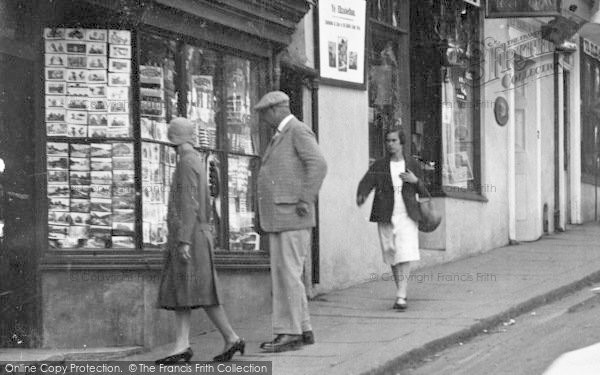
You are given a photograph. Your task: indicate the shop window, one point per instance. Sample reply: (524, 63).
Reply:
(96, 148)
(387, 72)
(445, 64)
(590, 131)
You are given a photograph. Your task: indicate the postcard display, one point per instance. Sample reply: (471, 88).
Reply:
(91, 191)
(158, 159)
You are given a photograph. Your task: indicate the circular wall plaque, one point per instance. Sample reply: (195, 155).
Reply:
(501, 111)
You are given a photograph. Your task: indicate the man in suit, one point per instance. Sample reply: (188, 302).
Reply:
(291, 174)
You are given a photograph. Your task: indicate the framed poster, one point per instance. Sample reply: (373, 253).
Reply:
(342, 26)
(522, 8)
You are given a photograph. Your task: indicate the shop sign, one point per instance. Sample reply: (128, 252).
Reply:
(522, 8)
(477, 3)
(591, 49)
(342, 25)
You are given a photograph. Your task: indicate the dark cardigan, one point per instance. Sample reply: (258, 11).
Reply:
(378, 176)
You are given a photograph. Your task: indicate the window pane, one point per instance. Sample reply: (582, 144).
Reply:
(241, 203)
(201, 97)
(241, 78)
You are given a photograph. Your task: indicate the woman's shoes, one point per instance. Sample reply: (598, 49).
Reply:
(400, 304)
(185, 356)
(238, 346)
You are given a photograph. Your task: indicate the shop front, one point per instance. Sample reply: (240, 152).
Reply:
(112, 74)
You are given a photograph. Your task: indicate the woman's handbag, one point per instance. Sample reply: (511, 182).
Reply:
(430, 217)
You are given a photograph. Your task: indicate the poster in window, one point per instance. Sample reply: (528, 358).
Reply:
(342, 26)
(522, 8)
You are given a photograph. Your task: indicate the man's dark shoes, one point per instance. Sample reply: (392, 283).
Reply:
(400, 304)
(282, 343)
(185, 356)
(308, 338)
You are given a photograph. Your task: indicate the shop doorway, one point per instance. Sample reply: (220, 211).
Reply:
(566, 143)
(18, 255)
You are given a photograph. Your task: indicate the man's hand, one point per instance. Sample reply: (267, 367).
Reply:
(183, 249)
(360, 199)
(302, 208)
(409, 177)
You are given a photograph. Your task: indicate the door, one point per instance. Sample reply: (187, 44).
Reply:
(18, 275)
(566, 142)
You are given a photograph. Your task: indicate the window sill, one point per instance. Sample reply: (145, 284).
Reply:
(152, 260)
(464, 195)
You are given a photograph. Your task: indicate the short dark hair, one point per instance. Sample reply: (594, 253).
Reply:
(396, 129)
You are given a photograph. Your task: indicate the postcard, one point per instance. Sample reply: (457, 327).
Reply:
(123, 163)
(77, 89)
(101, 150)
(160, 131)
(78, 218)
(80, 177)
(57, 231)
(58, 177)
(100, 191)
(119, 132)
(76, 48)
(56, 162)
(76, 62)
(96, 62)
(122, 242)
(117, 93)
(118, 106)
(59, 217)
(76, 102)
(55, 74)
(55, 88)
(124, 190)
(122, 149)
(97, 119)
(119, 65)
(59, 204)
(55, 60)
(79, 150)
(77, 117)
(123, 229)
(58, 191)
(55, 101)
(101, 218)
(99, 240)
(96, 35)
(123, 177)
(79, 164)
(124, 216)
(55, 115)
(80, 205)
(118, 79)
(101, 164)
(97, 76)
(100, 205)
(118, 121)
(97, 90)
(75, 34)
(97, 131)
(147, 128)
(80, 191)
(57, 149)
(57, 129)
(77, 75)
(77, 131)
(55, 47)
(102, 178)
(54, 33)
(119, 37)
(95, 104)
(96, 49)
(125, 202)
(146, 175)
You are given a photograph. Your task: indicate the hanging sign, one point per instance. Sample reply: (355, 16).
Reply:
(522, 8)
(342, 25)
(477, 3)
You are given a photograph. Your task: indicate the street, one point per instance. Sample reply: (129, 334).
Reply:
(525, 345)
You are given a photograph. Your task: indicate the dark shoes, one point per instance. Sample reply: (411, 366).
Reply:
(400, 304)
(183, 356)
(238, 346)
(308, 338)
(283, 343)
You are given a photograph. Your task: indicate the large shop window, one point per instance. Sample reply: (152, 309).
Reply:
(388, 78)
(445, 61)
(590, 128)
(102, 156)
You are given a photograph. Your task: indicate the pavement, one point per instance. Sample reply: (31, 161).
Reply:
(357, 332)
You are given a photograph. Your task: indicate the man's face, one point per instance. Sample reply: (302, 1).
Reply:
(269, 116)
(392, 143)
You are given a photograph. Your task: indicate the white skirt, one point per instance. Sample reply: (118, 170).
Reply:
(399, 240)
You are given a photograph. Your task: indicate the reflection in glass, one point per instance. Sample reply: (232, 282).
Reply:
(241, 205)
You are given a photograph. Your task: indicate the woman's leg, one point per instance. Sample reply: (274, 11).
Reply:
(401, 273)
(219, 318)
(182, 323)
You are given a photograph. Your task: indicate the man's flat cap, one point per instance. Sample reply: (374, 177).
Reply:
(271, 99)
